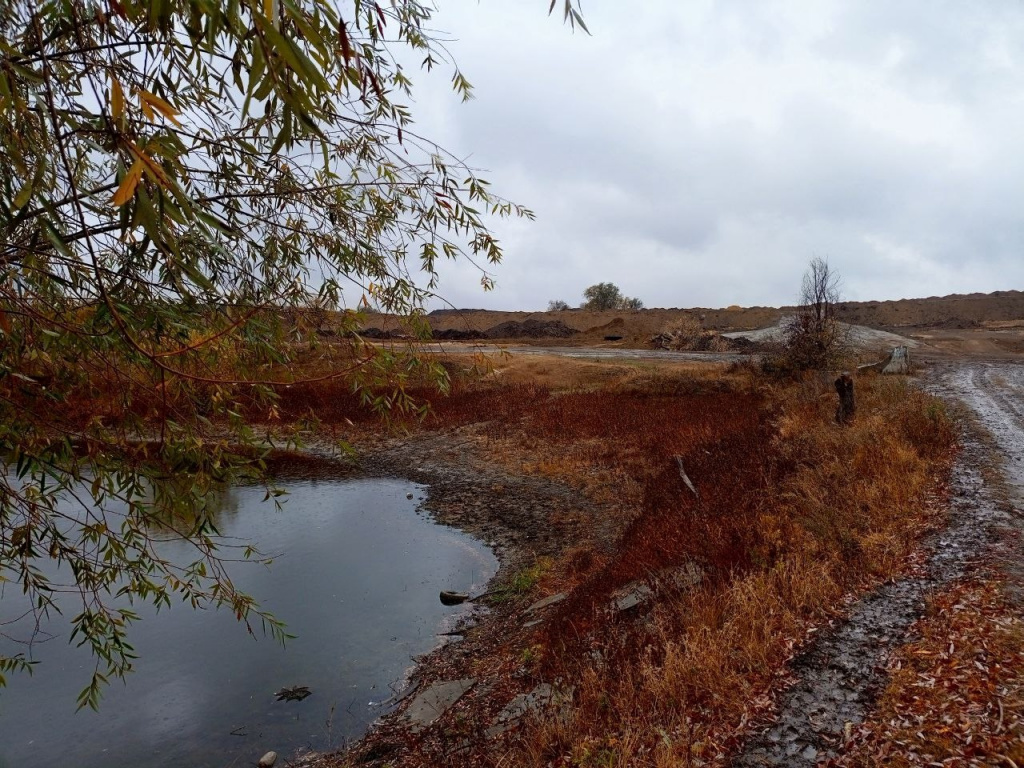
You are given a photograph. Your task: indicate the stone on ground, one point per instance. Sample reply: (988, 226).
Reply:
(540, 698)
(436, 700)
(632, 595)
(550, 600)
(898, 362)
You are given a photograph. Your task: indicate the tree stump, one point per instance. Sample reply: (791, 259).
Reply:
(847, 406)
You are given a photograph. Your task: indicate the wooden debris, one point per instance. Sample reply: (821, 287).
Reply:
(686, 479)
(847, 406)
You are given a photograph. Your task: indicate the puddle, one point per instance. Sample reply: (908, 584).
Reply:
(357, 581)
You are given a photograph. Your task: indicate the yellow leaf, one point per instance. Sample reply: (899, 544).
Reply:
(126, 190)
(149, 164)
(116, 98)
(271, 9)
(155, 102)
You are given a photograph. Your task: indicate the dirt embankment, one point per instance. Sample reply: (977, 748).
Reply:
(957, 311)
(953, 311)
(947, 316)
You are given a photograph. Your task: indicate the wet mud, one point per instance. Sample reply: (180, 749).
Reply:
(841, 674)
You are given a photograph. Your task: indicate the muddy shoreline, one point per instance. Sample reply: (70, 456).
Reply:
(521, 518)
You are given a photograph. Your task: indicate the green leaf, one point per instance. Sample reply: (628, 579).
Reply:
(285, 134)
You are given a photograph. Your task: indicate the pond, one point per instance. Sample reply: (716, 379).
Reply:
(357, 581)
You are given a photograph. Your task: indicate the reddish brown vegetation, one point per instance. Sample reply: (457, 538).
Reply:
(795, 514)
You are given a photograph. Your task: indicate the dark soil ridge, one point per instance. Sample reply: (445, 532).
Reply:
(530, 328)
(840, 676)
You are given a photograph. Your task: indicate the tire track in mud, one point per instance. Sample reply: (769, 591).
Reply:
(840, 676)
(994, 393)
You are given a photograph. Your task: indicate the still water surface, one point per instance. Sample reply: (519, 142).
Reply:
(357, 581)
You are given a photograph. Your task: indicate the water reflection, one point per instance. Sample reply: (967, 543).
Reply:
(356, 579)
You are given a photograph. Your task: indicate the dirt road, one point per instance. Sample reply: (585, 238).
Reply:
(841, 674)
(587, 353)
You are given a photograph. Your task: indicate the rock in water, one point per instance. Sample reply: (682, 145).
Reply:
(268, 760)
(295, 693)
(453, 598)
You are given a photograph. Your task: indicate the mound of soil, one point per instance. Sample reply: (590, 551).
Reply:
(956, 324)
(445, 334)
(615, 325)
(531, 329)
(952, 314)
(381, 334)
(455, 312)
(855, 335)
(457, 334)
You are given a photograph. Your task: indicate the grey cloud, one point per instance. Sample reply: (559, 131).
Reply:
(938, 49)
(702, 153)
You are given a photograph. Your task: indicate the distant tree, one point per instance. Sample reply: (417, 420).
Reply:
(557, 305)
(608, 296)
(602, 296)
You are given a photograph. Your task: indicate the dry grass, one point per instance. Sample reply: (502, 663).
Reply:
(560, 374)
(795, 513)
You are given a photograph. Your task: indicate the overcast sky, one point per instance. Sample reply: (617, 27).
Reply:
(699, 153)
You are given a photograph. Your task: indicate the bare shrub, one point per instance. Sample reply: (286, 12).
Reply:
(689, 335)
(814, 339)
